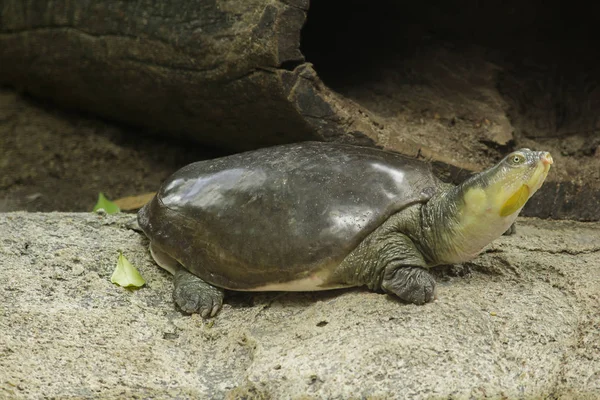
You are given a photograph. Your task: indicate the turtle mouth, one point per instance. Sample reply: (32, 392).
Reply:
(547, 159)
(539, 175)
(516, 201)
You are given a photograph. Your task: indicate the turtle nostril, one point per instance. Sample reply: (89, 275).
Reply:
(547, 158)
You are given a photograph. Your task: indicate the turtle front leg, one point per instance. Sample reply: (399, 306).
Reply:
(404, 273)
(411, 284)
(511, 230)
(388, 260)
(193, 295)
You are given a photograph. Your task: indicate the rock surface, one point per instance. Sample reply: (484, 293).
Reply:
(520, 321)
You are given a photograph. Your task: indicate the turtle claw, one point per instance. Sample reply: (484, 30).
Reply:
(211, 312)
(215, 309)
(193, 295)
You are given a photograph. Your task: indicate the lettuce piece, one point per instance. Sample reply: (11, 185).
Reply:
(107, 205)
(126, 275)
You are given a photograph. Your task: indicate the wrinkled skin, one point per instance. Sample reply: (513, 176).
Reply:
(315, 216)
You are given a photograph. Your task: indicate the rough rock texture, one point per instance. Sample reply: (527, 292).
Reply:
(521, 321)
(460, 82)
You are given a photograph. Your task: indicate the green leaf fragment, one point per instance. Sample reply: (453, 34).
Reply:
(126, 274)
(107, 205)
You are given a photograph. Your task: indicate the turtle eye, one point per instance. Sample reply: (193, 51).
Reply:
(516, 159)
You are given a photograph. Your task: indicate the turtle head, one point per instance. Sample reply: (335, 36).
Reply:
(505, 188)
(483, 207)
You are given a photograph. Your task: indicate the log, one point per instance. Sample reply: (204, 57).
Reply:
(199, 69)
(443, 83)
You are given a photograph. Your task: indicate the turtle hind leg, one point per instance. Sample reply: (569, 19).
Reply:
(193, 295)
(164, 260)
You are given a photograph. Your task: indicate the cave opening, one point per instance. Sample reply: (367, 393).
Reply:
(413, 59)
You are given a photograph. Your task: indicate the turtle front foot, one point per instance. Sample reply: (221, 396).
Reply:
(511, 231)
(411, 284)
(193, 295)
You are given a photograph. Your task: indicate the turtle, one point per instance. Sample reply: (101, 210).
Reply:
(314, 216)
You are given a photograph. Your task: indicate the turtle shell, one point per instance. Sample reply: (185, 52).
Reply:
(280, 213)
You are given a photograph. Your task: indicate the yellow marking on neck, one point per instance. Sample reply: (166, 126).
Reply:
(476, 200)
(515, 202)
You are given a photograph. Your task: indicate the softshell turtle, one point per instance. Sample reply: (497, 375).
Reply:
(316, 216)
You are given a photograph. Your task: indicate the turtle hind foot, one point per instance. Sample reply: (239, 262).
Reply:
(194, 296)
(411, 284)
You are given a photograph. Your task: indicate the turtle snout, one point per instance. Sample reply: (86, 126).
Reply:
(546, 158)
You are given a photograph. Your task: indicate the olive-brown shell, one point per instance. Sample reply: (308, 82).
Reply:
(278, 213)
